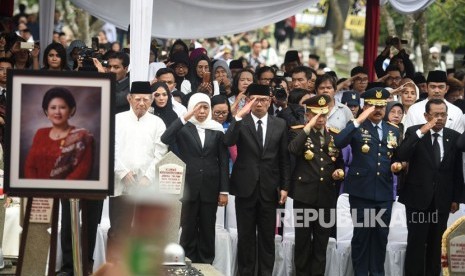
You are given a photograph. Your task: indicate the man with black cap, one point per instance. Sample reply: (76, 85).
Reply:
(437, 89)
(291, 60)
(318, 166)
(352, 100)
(138, 148)
(259, 180)
(369, 180)
(432, 188)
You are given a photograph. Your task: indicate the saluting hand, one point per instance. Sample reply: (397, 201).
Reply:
(283, 197)
(428, 126)
(365, 114)
(191, 113)
(246, 109)
(311, 123)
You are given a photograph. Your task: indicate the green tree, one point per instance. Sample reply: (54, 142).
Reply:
(446, 23)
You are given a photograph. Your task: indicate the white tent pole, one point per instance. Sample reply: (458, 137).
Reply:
(46, 16)
(141, 29)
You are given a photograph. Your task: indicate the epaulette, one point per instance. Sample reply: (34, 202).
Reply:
(334, 130)
(392, 124)
(297, 127)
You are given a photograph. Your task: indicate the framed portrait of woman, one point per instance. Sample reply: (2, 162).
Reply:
(59, 134)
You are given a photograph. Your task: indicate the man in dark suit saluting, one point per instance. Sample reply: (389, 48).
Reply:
(369, 181)
(259, 180)
(432, 188)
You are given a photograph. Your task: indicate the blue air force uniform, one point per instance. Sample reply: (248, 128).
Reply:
(369, 184)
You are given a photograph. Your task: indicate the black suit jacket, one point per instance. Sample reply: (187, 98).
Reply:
(312, 180)
(270, 167)
(122, 91)
(424, 181)
(206, 168)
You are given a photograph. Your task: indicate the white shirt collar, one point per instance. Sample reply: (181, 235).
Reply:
(264, 119)
(439, 132)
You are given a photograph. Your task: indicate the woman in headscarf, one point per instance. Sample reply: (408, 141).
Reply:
(200, 143)
(180, 65)
(163, 108)
(223, 76)
(178, 46)
(394, 115)
(200, 78)
(162, 105)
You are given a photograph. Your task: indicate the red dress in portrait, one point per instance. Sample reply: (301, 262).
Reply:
(67, 158)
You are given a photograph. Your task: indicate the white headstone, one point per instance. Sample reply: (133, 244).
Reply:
(449, 59)
(329, 52)
(453, 249)
(171, 174)
(457, 254)
(353, 57)
(331, 62)
(351, 46)
(346, 34)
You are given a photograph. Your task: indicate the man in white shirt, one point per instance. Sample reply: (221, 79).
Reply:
(138, 149)
(437, 87)
(255, 57)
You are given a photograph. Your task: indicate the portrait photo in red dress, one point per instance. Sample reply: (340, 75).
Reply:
(61, 133)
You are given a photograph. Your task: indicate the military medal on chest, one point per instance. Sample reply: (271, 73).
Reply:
(366, 137)
(309, 153)
(333, 151)
(391, 140)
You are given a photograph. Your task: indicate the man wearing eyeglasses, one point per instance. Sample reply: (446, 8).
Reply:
(432, 187)
(437, 87)
(259, 180)
(138, 148)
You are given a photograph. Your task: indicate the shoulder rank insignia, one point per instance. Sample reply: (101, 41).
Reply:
(392, 124)
(297, 127)
(334, 130)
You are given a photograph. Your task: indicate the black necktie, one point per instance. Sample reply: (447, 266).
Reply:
(436, 150)
(322, 139)
(380, 132)
(260, 133)
(2, 96)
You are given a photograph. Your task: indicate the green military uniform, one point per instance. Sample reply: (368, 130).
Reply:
(313, 188)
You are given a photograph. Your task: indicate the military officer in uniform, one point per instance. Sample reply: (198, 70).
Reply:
(369, 180)
(318, 166)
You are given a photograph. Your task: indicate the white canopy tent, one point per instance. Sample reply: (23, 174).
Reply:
(408, 6)
(189, 19)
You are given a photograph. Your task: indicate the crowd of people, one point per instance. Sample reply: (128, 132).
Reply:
(263, 131)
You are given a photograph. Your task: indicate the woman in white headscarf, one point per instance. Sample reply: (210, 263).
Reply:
(200, 143)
